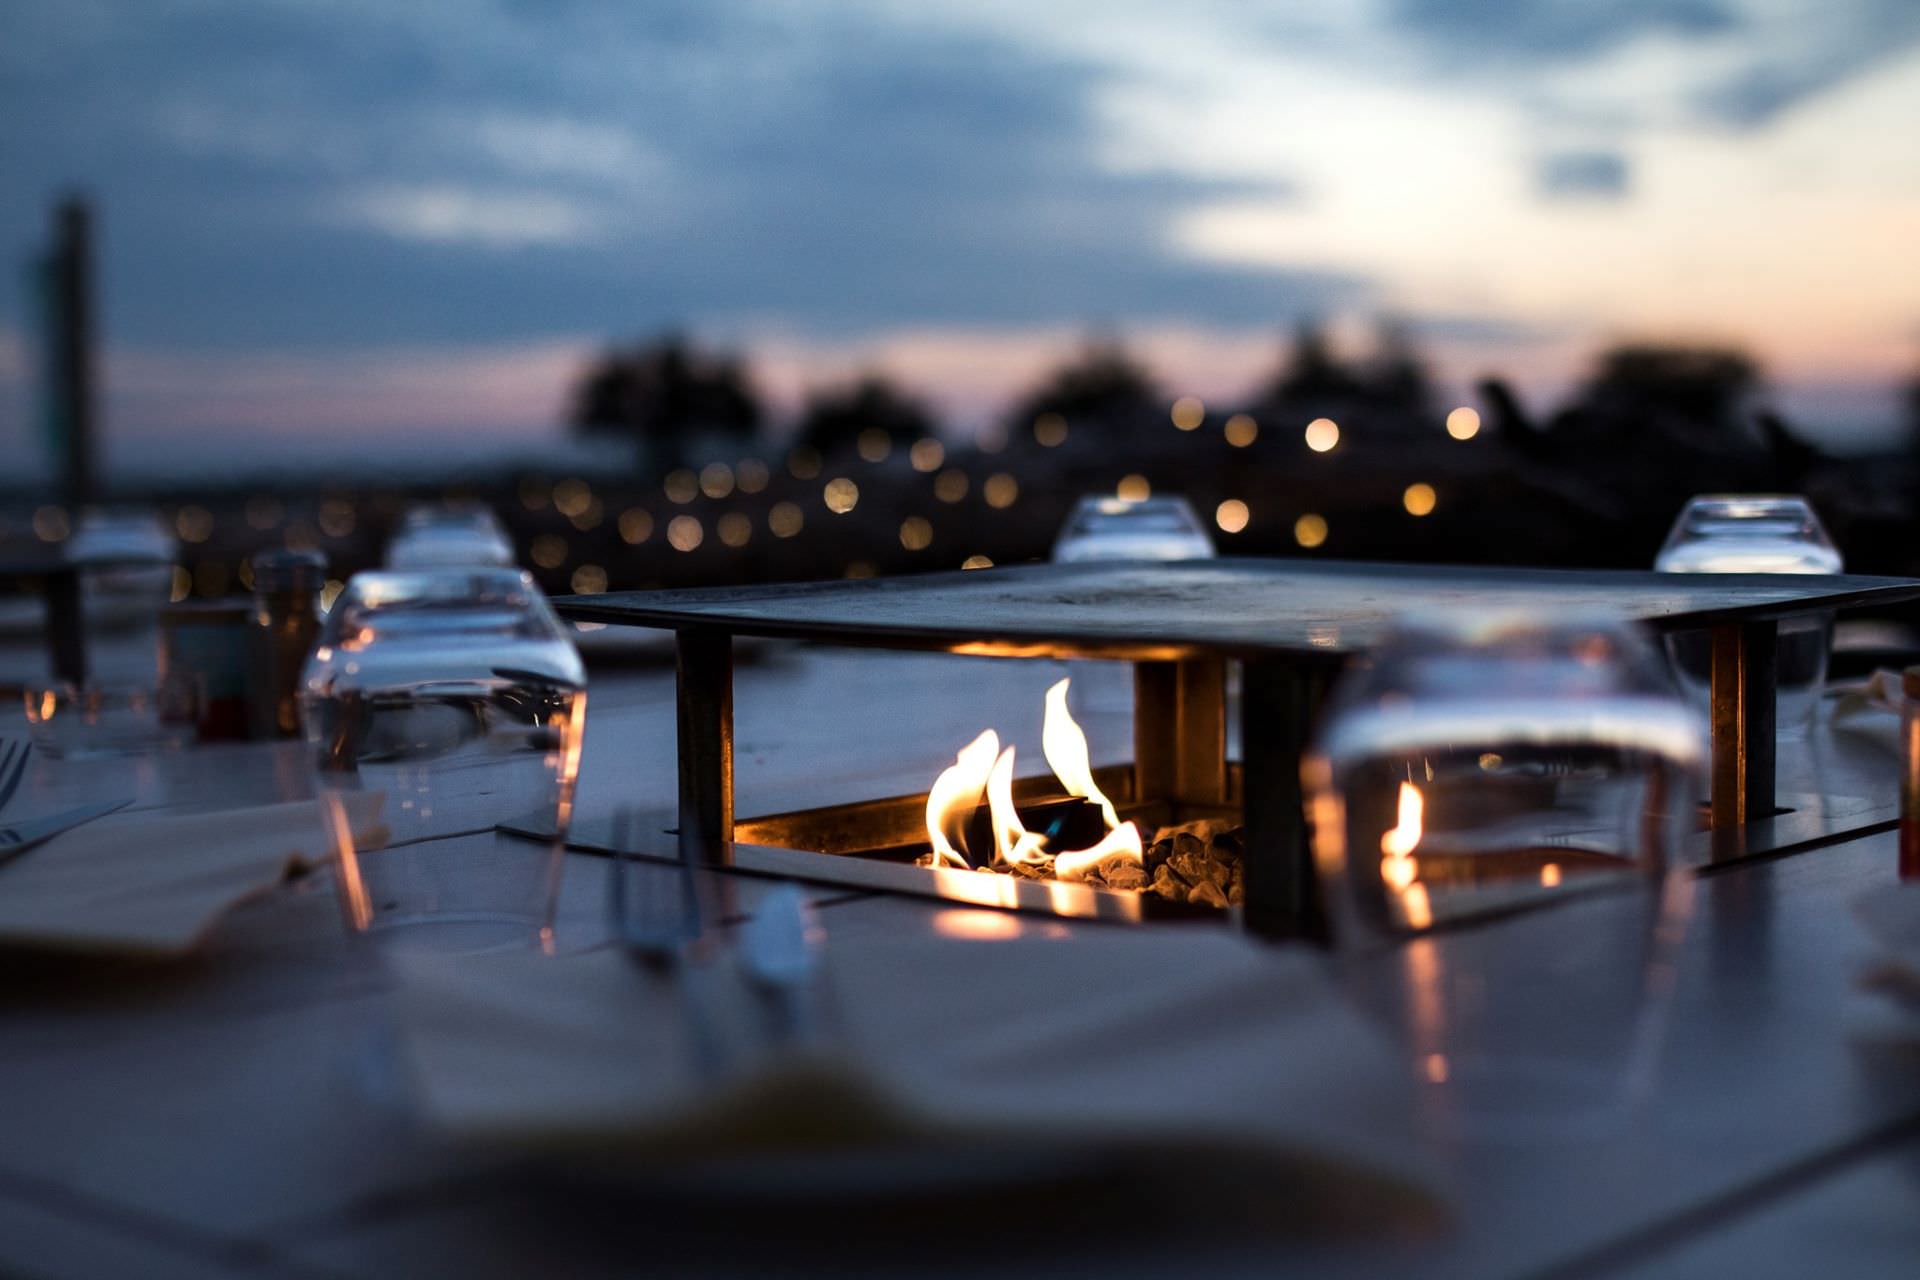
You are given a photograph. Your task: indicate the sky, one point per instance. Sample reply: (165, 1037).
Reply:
(366, 225)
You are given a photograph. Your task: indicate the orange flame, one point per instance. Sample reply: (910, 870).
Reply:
(1122, 842)
(1066, 751)
(1398, 867)
(1012, 842)
(956, 794)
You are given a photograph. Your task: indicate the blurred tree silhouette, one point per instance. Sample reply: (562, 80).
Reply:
(665, 394)
(1102, 385)
(1702, 386)
(835, 418)
(1396, 377)
(1311, 374)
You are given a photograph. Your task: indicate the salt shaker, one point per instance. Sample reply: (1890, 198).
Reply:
(285, 622)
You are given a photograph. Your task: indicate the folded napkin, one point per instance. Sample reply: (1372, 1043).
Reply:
(137, 885)
(1192, 1047)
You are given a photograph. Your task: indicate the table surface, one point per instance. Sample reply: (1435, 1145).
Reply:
(1240, 607)
(235, 1115)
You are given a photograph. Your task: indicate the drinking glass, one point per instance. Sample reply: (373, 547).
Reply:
(1539, 771)
(1163, 528)
(72, 722)
(126, 562)
(1756, 533)
(456, 698)
(449, 535)
(1109, 528)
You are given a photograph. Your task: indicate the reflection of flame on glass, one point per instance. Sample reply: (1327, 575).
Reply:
(1066, 750)
(1123, 842)
(1398, 867)
(956, 794)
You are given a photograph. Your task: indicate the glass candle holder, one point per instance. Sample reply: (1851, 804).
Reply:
(456, 696)
(1107, 528)
(449, 535)
(1476, 769)
(126, 560)
(1756, 533)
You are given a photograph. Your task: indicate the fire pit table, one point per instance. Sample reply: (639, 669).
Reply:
(1291, 624)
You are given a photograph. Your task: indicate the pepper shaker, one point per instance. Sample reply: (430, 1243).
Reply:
(282, 630)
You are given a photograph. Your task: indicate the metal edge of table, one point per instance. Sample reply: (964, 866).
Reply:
(727, 608)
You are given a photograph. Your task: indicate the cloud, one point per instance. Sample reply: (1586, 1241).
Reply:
(1557, 29)
(360, 172)
(456, 215)
(1582, 175)
(1805, 57)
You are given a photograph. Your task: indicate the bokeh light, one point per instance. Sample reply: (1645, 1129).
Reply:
(927, 454)
(589, 580)
(1310, 530)
(1231, 515)
(50, 524)
(841, 495)
(950, 485)
(682, 486)
(570, 497)
(1188, 412)
(1419, 499)
(1463, 423)
(786, 519)
(1133, 488)
(1242, 430)
(976, 562)
(636, 526)
(874, 444)
(735, 529)
(916, 533)
(1322, 434)
(548, 551)
(752, 475)
(192, 522)
(1050, 430)
(716, 480)
(684, 533)
(1001, 490)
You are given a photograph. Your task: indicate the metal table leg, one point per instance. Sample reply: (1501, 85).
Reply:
(1279, 701)
(1741, 723)
(704, 686)
(1180, 730)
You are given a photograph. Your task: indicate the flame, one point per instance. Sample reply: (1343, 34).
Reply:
(1121, 842)
(1398, 867)
(1405, 836)
(1066, 750)
(1012, 842)
(956, 794)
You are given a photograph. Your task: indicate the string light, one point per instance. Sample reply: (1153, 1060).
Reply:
(1231, 515)
(1463, 423)
(1322, 434)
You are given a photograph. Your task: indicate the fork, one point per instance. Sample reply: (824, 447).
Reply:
(13, 766)
(658, 933)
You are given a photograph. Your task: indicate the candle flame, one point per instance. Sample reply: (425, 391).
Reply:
(1066, 751)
